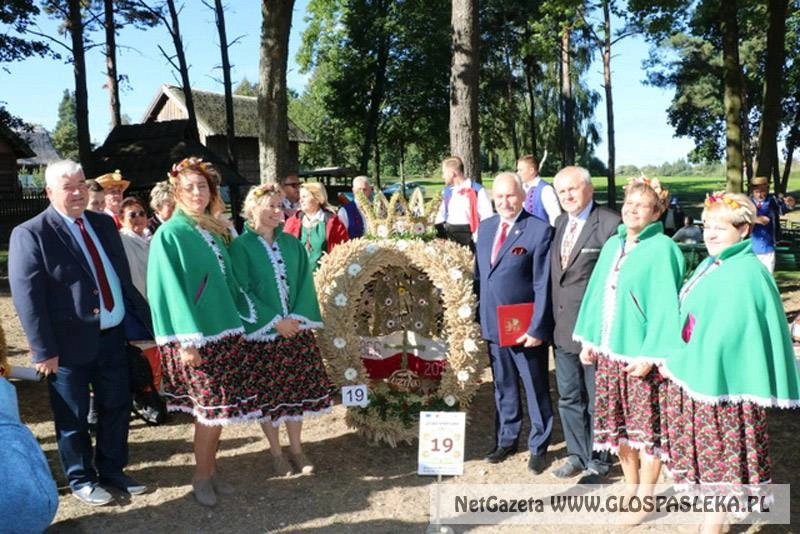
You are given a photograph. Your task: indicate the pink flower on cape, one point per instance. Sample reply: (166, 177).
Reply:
(688, 328)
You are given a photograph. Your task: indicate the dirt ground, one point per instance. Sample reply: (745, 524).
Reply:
(357, 488)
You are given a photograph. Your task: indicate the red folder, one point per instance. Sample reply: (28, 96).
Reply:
(513, 320)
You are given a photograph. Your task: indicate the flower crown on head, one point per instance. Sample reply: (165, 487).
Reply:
(652, 183)
(721, 196)
(186, 163)
(265, 189)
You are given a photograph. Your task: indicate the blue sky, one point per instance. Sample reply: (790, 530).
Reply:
(33, 88)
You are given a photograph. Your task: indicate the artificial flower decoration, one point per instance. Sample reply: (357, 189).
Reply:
(339, 342)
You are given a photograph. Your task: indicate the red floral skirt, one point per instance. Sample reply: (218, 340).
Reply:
(626, 409)
(289, 378)
(716, 443)
(214, 391)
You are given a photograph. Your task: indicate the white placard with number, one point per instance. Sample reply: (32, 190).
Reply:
(441, 443)
(355, 395)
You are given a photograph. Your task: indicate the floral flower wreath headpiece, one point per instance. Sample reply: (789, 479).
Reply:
(652, 183)
(196, 164)
(721, 196)
(266, 189)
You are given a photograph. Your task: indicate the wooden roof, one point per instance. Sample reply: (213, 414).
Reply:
(41, 144)
(144, 153)
(210, 110)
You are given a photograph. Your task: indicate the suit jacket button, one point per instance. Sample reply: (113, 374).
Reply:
(96, 311)
(95, 292)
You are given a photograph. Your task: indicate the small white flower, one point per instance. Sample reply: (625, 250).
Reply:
(350, 373)
(401, 226)
(470, 345)
(339, 342)
(418, 325)
(419, 228)
(382, 231)
(353, 269)
(455, 274)
(372, 248)
(423, 302)
(462, 375)
(465, 311)
(430, 251)
(450, 400)
(402, 244)
(387, 301)
(340, 300)
(390, 323)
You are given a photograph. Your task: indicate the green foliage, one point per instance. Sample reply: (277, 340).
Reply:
(246, 88)
(65, 134)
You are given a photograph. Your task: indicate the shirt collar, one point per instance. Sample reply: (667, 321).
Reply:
(584, 214)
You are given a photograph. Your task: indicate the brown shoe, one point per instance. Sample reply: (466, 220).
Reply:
(302, 463)
(281, 466)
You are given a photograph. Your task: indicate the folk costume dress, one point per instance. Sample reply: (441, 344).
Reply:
(192, 292)
(287, 373)
(629, 315)
(737, 360)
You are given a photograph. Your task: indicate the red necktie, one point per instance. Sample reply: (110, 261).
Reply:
(500, 240)
(105, 289)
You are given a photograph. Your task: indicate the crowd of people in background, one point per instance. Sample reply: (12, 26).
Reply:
(649, 368)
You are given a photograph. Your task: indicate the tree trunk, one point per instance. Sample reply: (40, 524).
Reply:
(612, 148)
(230, 125)
(183, 67)
(375, 102)
(378, 164)
(464, 133)
(567, 105)
(747, 138)
(532, 102)
(512, 107)
(732, 98)
(787, 167)
(111, 63)
(771, 114)
(273, 139)
(81, 93)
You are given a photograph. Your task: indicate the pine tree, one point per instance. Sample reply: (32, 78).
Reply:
(65, 135)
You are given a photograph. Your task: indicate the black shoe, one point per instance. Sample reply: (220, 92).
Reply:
(590, 476)
(125, 484)
(500, 453)
(537, 463)
(568, 470)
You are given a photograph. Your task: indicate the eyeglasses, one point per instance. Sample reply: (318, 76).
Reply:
(292, 184)
(132, 214)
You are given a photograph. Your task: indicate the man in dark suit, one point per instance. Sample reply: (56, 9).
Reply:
(512, 267)
(72, 288)
(580, 233)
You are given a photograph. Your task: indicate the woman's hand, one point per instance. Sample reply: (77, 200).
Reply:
(587, 356)
(190, 356)
(638, 370)
(288, 327)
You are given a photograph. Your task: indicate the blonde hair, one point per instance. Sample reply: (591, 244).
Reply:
(652, 187)
(317, 191)
(453, 163)
(210, 220)
(737, 208)
(160, 194)
(258, 195)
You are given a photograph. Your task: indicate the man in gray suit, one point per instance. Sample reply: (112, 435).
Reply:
(580, 233)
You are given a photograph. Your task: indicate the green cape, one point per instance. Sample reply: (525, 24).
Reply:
(635, 316)
(739, 348)
(190, 285)
(259, 269)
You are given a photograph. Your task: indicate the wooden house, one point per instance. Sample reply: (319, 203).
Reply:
(12, 148)
(170, 104)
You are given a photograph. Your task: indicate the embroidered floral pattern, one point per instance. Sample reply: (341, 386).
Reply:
(214, 246)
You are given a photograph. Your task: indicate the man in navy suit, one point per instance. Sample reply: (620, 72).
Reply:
(72, 288)
(512, 266)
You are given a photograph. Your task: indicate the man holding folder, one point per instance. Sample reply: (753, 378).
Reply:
(513, 274)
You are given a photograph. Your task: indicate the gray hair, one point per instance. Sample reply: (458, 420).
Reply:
(61, 169)
(360, 180)
(573, 170)
(510, 176)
